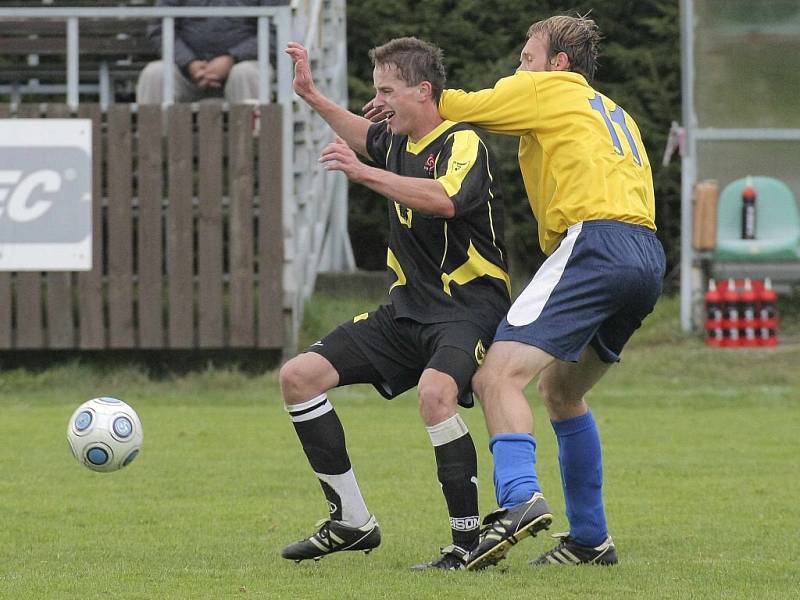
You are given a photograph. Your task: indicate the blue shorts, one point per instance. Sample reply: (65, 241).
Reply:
(596, 288)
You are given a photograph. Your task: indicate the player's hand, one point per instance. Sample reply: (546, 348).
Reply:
(373, 114)
(303, 83)
(338, 156)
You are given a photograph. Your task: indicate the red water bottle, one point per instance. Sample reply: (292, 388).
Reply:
(731, 323)
(748, 332)
(748, 211)
(714, 333)
(768, 313)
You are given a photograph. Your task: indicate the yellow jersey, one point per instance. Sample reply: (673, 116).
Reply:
(581, 156)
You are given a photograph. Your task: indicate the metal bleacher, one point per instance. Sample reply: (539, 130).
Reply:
(34, 55)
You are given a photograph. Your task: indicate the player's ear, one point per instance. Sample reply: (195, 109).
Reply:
(425, 90)
(561, 62)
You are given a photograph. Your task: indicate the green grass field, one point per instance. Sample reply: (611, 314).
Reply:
(702, 481)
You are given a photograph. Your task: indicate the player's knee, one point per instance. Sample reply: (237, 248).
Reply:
(436, 402)
(555, 395)
(481, 381)
(296, 381)
(547, 391)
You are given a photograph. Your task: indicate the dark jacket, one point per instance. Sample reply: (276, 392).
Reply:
(207, 38)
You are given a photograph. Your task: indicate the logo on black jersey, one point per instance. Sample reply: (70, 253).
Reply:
(404, 214)
(430, 164)
(480, 352)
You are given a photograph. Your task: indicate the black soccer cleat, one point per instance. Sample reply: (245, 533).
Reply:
(569, 553)
(335, 536)
(452, 558)
(507, 526)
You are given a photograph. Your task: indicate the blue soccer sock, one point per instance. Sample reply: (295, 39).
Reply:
(515, 479)
(581, 463)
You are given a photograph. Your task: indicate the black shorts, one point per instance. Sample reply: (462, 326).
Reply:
(391, 353)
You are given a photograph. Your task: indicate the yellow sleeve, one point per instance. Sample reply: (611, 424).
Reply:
(510, 107)
(462, 148)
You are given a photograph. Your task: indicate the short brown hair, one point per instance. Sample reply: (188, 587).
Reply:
(577, 37)
(415, 60)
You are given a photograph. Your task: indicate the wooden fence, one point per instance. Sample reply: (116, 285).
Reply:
(187, 242)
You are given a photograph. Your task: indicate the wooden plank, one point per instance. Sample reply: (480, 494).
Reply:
(97, 27)
(28, 284)
(5, 281)
(150, 252)
(60, 324)
(240, 240)
(209, 228)
(91, 322)
(107, 46)
(120, 228)
(270, 230)
(179, 228)
(88, 69)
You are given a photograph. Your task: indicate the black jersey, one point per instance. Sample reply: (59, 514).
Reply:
(445, 269)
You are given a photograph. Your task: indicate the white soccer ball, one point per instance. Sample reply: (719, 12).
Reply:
(105, 434)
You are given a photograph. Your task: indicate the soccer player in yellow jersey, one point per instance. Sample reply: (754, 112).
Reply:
(589, 184)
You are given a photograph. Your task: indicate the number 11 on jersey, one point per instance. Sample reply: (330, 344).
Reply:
(617, 116)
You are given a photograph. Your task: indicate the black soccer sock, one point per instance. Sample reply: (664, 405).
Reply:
(457, 469)
(322, 436)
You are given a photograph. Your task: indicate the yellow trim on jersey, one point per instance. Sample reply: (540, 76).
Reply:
(480, 352)
(405, 220)
(444, 254)
(463, 156)
(394, 265)
(417, 147)
(489, 202)
(361, 317)
(476, 266)
(491, 225)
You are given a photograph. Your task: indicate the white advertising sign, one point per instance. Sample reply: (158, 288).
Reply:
(45, 194)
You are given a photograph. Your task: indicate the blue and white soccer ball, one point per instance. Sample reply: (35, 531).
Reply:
(105, 434)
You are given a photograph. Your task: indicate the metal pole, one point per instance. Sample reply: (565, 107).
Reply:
(283, 67)
(104, 81)
(168, 58)
(263, 60)
(73, 72)
(343, 256)
(688, 161)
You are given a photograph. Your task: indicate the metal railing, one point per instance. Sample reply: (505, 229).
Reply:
(279, 15)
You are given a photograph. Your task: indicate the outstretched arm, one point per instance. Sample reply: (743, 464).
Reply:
(348, 126)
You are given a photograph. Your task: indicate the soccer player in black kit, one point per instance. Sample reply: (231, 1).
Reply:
(450, 290)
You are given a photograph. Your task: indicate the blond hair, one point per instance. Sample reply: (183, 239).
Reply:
(577, 37)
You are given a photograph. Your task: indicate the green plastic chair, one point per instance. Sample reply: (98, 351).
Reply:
(777, 223)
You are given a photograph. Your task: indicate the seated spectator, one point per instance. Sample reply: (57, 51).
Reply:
(215, 57)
